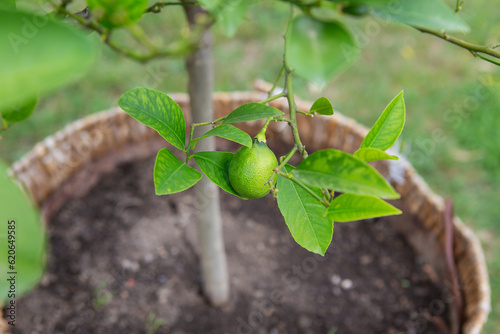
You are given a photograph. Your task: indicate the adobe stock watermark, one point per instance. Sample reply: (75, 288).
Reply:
(452, 118)
(370, 30)
(30, 27)
(155, 75)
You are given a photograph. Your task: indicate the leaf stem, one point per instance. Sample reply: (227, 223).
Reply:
(327, 195)
(220, 119)
(305, 187)
(287, 158)
(193, 126)
(261, 136)
(272, 98)
(188, 147)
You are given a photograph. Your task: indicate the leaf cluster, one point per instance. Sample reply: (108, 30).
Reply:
(327, 186)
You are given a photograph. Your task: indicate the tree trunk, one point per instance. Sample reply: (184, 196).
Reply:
(213, 256)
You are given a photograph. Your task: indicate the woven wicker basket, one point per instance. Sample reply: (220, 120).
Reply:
(45, 172)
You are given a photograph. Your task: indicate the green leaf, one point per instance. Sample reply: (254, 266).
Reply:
(251, 112)
(158, 111)
(38, 55)
(19, 113)
(171, 175)
(29, 238)
(229, 132)
(340, 171)
(372, 154)
(349, 207)
(431, 14)
(215, 165)
(113, 13)
(388, 126)
(322, 106)
(304, 215)
(229, 14)
(318, 50)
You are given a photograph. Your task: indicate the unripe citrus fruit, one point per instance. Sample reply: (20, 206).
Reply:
(250, 169)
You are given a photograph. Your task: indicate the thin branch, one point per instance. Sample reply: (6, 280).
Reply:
(278, 78)
(157, 7)
(292, 107)
(174, 50)
(474, 48)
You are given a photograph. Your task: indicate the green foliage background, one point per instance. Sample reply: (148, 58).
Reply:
(439, 79)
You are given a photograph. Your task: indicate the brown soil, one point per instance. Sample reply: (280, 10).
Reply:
(122, 256)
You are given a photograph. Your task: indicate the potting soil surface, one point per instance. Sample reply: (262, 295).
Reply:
(123, 260)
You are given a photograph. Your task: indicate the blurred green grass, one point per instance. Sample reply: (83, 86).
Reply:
(439, 80)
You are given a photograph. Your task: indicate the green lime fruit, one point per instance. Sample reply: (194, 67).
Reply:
(250, 169)
(117, 13)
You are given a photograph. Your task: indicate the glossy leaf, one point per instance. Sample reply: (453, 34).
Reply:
(388, 126)
(304, 215)
(38, 55)
(20, 113)
(372, 154)
(215, 165)
(171, 175)
(229, 132)
(28, 241)
(251, 112)
(349, 207)
(318, 50)
(113, 13)
(322, 106)
(158, 111)
(431, 14)
(340, 171)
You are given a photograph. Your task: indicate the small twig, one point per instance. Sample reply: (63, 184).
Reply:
(278, 78)
(473, 48)
(475, 54)
(284, 160)
(156, 7)
(272, 98)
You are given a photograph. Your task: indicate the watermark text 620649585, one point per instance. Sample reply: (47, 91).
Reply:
(10, 309)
